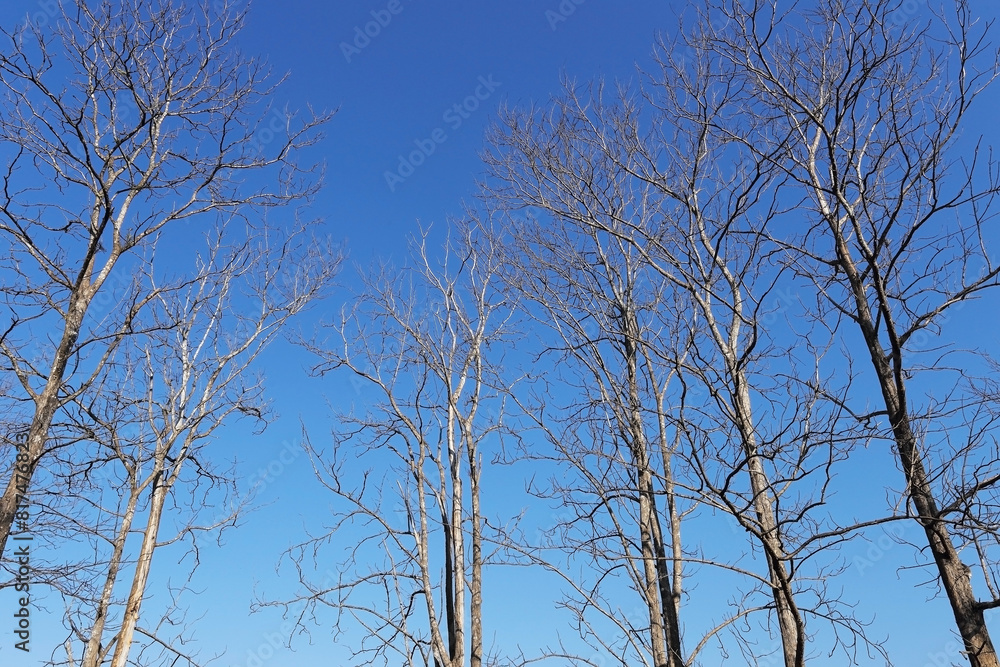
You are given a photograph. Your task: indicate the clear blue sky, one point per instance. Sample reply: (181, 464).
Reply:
(393, 93)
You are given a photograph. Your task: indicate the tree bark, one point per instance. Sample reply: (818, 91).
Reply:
(46, 405)
(92, 655)
(789, 619)
(476, 583)
(142, 568)
(665, 638)
(954, 574)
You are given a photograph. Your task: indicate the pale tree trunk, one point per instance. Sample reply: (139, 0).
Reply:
(668, 573)
(476, 523)
(425, 358)
(46, 405)
(93, 655)
(728, 338)
(665, 639)
(439, 646)
(476, 566)
(863, 120)
(651, 593)
(660, 190)
(789, 618)
(457, 579)
(142, 569)
(669, 569)
(445, 627)
(624, 383)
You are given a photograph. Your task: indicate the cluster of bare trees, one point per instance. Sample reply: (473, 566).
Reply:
(426, 339)
(684, 308)
(811, 151)
(129, 129)
(712, 270)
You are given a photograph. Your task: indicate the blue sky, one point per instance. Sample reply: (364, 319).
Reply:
(399, 88)
(395, 94)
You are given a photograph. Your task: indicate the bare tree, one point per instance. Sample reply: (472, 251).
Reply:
(596, 306)
(865, 119)
(121, 120)
(761, 443)
(407, 471)
(156, 409)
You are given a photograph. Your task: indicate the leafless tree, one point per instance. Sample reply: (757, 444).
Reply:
(406, 470)
(155, 409)
(121, 121)
(761, 441)
(595, 304)
(864, 117)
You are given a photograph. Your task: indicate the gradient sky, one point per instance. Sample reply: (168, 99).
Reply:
(393, 94)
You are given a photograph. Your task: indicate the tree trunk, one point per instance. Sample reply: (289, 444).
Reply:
(46, 405)
(142, 568)
(663, 628)
(476, 585)
(457, 623)
(669, 598)
(789, 619)
(92, 654)
(790, 623)
(955, 575)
